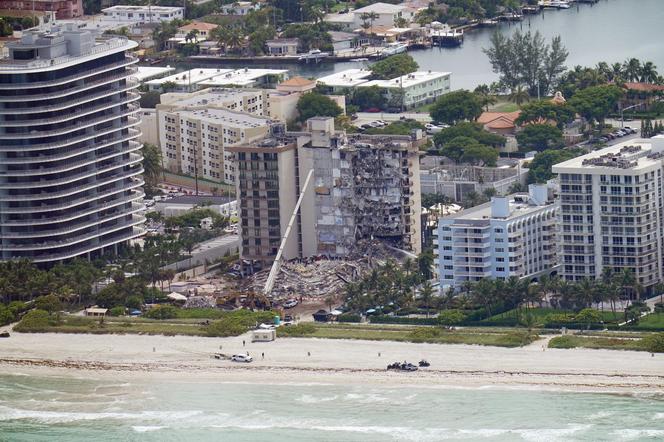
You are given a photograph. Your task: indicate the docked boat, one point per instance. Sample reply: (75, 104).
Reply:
(314, 54)
(393, 49)
(554, 4)
(488, 22)
(447, 37)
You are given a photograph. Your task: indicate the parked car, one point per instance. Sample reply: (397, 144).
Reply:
(631, 129)
(241, 358)
(290, 303)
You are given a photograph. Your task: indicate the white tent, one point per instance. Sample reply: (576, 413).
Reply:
(176, 296)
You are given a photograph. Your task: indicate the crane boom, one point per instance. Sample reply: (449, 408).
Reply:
(276, 265)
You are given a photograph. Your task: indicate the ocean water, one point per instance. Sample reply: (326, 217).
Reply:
(72, 409)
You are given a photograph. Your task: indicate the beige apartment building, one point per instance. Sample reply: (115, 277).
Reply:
(362, 187)
(196, 141)
(611, 212)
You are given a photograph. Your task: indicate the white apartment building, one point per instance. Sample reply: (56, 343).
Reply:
(143, 14)
(512, 235)
(386, 14)
(70, 165)
(195, 79)
(611, 211)
(195, 141)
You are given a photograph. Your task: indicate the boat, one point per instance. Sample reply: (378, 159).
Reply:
(359, 59)
(393, 49)
(554, 4)
(314, 54)
(447, 37)
(488, 22)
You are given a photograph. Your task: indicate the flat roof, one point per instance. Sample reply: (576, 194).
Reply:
(381, 8)
(483, 211)
(349, 78)
(408, 80)
(183, 78)
(212, 96)
(143, 8)
(225, 116)
(241, 77)
(628, 155)
(147, 72)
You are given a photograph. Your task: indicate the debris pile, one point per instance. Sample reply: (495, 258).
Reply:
(200, 302)
(318, 277)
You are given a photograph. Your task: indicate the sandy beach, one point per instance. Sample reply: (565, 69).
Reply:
(332, 361)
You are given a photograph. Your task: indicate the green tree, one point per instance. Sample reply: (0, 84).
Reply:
(49, 303)
(540, 166)
(425, 264)
(152, 163)
(162, 312)
(519, 95)
(451, 317)
(480, 155)
(542, 111)
(369, 97)
(455, 148)
(426, 296)
(394, 66)
(540, 137)
(588, 316)
(316, 105)
(469, 130)
(596, 102)
(455, 107)
(654, 343)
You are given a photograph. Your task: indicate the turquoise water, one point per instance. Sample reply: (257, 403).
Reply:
(68, 409)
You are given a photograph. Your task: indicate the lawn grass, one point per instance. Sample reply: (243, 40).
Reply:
(504, 106)
(541, 314)
(597, 343)
(79, 324)
(654, 321)
(435, 335)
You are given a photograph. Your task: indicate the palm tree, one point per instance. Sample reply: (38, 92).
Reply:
(649, 73)
(519, 95)
(632, 69)
(426, 295)
(585, 292)
(626, 280)
(483, 92)
(484, 293)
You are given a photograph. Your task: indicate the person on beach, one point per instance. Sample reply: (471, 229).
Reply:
(262, 355)
(243, 342)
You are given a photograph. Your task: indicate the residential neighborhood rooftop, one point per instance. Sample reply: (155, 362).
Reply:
(407, 80)
(225, 116)
(241, 77)
(349, 77)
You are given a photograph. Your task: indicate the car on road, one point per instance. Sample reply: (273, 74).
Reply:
(630, 129)
(241, 358)
(290, 303)
(433, 128)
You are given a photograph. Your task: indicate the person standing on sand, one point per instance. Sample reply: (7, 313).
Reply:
(243, 342)
(262, 355)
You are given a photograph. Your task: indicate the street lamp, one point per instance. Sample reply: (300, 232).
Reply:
(622, 114)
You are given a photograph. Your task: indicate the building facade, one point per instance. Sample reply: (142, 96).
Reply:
(143, 14)
(611, 212)
(362, 187)
(70, 165)
(195, 141)
(509, 236)
(64, 9)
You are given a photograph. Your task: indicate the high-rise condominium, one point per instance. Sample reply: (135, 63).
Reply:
(70, 168)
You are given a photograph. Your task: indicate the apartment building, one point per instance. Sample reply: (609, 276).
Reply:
(195, 141)
(611, 212)
(362, 187)
(512, 235)
(143, 14)
(63, 9)
(70, 165)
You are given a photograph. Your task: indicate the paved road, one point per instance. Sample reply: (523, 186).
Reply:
(210, 250)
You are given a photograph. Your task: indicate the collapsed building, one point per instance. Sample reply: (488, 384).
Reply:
(350, 187)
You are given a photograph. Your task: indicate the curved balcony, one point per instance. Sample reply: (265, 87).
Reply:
(129, 60)
(127, 74)
(75, 226)
(133, 160)
(58, 219)
(131, 122)
(136, 220)
(96, 183)
(67, 104)
(72, 165)
(136, 233)
(135, 187)
(72, 153)
(65, 130)
(132, 96)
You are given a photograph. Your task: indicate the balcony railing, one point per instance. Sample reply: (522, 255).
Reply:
(129, 60)
(65, 130)
(129, 124)
(75, 152)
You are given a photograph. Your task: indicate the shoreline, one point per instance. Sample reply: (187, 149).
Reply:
(189, 359)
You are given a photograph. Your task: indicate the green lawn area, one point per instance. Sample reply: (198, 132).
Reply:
(653, 321)
(541, 314)
(435, 335)
(597, 343)
(504, 106)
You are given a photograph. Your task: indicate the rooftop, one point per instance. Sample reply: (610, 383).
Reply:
(520, 204)
(227, 117)
(241, 77)
(55, 52)
(499, 120)
(636, 154)
(147, 72)
(347, 78)
(208, 97)
(297, 81)
(380, 8)
(191, 76)
(142, 8)
(198, 26)
(408, 80)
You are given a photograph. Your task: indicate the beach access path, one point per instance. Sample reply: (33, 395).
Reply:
(329, 360)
